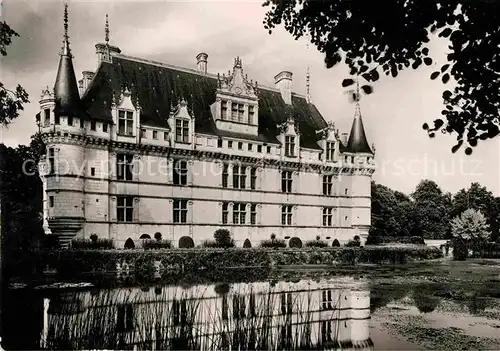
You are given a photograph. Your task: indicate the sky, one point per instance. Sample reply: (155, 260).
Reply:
(175, 32)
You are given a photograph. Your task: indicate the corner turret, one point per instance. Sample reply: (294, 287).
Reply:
(358, 142)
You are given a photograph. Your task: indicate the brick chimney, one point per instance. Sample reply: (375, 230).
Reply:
(201, 59)
(87, 77)
(283, 81)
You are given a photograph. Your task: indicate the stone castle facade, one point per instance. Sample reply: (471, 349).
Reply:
(139, 147)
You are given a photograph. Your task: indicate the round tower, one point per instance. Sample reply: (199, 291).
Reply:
(63, 121)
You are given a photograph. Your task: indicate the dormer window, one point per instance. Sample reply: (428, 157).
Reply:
(92, 125)
(251, 113)
(105, 127)
(125, 123)
(143, 133)
(46, 118)
(181, 131)
(289, 146)
(223, 110)
(155, 135)
(70, 121)
(330, 150)
(82, 123)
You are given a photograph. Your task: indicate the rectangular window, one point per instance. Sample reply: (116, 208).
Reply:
(225, 213)
(330, 150)
(251, 113)
(327, 216)
(51, 201)
(92, 125)
(57, 119)
(46, 118)
(225, 175)
(92, 171)
(155, 134)
(327, 184)
(180, 211)
(239, 177)
(52, 161)
(259, 148)
(125, 208)
(124, 166)
(241, 112)
(240, 146)
(268, 149)
(70, 121)
(239, 213)
(327, 301)
(219, 143)
(223, 112)
(286, 215)
(82, 123)
(250, 147)
(105, 127)
(181, 131)
(125, 122)
(253, 178)
(165, 136)
(289, 146)
(234, 111)
(286, 181)
(143, 133)
(180, 173)
(346, 191)
(253, 214)
(230, 144)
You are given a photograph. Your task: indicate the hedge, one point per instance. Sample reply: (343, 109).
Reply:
(380, 240)
(74, 262)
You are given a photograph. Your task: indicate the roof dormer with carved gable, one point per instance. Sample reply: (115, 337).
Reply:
(329, 143)
(289, 137)
(181, 123)
(236, 105)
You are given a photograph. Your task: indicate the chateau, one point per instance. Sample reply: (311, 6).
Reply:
(138, 147)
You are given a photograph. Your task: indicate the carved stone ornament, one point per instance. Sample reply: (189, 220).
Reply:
(113, 198)
(137, 199)
(181, 110)
(236, 82)
(190, 202)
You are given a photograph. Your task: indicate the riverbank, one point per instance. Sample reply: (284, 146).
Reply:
(67, 263)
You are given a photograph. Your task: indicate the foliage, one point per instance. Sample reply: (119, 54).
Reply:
(372, 39)
(156, 244)
(129, 244)
(336, 243)
(295, 242)
(424, 298)
(186, 242)
(223, 238)
(11, 101)
(470, 226)
(247, 244)
(316, 243)
(93, 244)
(276, 243)
(353, 243)
(158, 236)
(380, 240)
(93, 237)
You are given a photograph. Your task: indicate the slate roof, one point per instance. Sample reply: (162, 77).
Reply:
(156, 87)
(357, 142)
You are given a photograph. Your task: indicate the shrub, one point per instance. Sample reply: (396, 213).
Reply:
(186, 242)
(316, 243)
(295, 243)
(158, 244)
(336, 243)
(357, 238)
(97, 244)
(50, 242)
(223, 238)
(274, 244)
(273, 236)
(145, 237)
(129, 244)
(158, 236)
(318, 237)
(93, 238)
(417, 240)
(353, 243)
(211, 244)
(247, 244)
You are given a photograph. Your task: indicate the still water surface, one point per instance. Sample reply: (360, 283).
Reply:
(328, 313)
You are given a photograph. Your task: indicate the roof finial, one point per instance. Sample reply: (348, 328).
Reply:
(106, 31)
(357, 98)
(308, 76)
(65, 48)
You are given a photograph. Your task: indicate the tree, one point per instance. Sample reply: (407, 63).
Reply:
(470, 228)
(481, 199)
(432, 208)
(223, 238)
(11, 101)
(372, 38)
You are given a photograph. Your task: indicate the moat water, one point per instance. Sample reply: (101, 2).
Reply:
(405, 309)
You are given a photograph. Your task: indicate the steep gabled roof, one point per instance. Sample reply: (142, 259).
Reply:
(156, 87)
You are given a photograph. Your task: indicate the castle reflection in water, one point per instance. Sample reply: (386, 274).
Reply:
(330, 314)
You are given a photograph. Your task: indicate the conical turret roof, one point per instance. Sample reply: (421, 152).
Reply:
(67, 97)
(357, 142)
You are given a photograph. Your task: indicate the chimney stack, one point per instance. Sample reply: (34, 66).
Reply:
(80, 87)
(283, 81)
(102, 51)
(87, 78)
(201, 59)
(344, 138)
